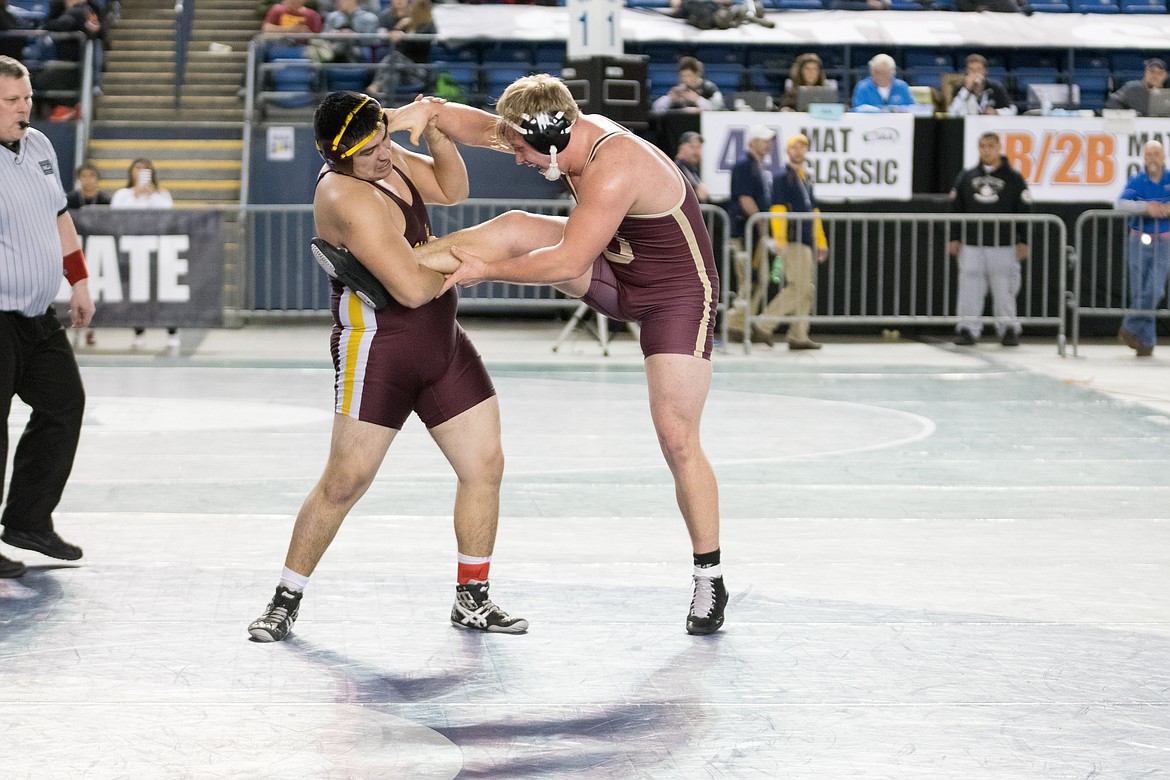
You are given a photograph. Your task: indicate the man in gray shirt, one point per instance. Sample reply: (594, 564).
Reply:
(38, 245)
(1136, 94)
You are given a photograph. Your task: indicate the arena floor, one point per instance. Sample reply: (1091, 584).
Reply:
(944, 563)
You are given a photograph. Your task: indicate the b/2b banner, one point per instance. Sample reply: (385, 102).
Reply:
(152, 268)
(1082, 159)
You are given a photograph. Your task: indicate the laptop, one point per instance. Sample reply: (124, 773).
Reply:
(754, 101)
(1056, 95)
(1159, 102)
(806, 96)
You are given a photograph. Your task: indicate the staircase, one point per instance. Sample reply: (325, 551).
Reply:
(196, 146)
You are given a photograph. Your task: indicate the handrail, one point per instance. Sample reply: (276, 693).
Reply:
(184, 21)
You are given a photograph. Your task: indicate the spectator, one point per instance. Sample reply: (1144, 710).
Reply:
(807, 71)
(404, 18)
(87, 192)
(882, 91)
(692, 92)
(979, 94)
(751, 193)
(68, 16)
(797, 241)
(985, 253)
(326, 7)
(1147, 197)
(290, 16)
(689, 159)
(351, 20)
(720, 14)
(142, 191)
(1136, 94)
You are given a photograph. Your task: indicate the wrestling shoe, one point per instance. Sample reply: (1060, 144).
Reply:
(278, 617)
(1010, 339)
(474, 609)
(710, 598)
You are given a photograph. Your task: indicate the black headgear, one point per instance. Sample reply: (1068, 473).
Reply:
(544, 131)
(337, 153)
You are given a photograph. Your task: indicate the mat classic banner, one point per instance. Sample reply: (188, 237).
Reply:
(152, 268)
(857, 156)
(1066, 159)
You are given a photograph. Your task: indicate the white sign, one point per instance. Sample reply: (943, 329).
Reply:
(281, 144)
(1085, 159)
(595, 28)
(859, 156)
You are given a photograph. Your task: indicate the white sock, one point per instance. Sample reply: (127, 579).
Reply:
(709, 571)
(293, 581)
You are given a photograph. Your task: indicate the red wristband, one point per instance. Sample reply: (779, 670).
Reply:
(75, 269)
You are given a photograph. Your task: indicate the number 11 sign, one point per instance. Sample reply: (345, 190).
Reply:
(595, 28)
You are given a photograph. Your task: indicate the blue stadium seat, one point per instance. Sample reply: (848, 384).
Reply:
(352, 79)
(930, 58)
(799, 5)
(296, 78)
(648, 3)
(1143, 6)
(34, 11)
(726, 77)
(1026, 76)
(906, 5)
(1095, 7)
(719, 54)
(926, 77)
(1047, 7)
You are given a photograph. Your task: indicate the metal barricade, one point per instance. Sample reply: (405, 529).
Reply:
(279, 276)
(895, 269)
(1103, 245)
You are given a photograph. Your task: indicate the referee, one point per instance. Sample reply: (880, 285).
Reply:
(38, 244)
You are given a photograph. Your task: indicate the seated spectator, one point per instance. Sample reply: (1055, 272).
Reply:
(1136, 94)
(88, 191)
(720, 14)
(807, 71)
(68, 16)
(692, 92)
(881, 91)
(352, 20)
(326, 7)
(404, 18)
(291, 16)
(979, 94)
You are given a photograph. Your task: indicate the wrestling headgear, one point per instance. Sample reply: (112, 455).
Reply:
(547, 134)
(331, 146)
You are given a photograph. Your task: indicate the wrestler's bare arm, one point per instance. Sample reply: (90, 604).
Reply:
(462, 124)
(441, 176)
(350, 213)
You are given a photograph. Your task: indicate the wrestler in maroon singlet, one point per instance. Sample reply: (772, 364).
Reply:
(659, 271)
(391, 362)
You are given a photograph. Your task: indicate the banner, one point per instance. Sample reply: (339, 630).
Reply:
(1066, 159)
(859, 156)
(152, 268)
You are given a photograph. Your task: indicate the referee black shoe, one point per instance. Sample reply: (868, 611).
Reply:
(706, 615)
(1010, 339)
(44, 542)
(279, 616)
(10, 569)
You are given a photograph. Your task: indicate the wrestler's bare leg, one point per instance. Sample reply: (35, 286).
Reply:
(678, 390)
(510, 234)
(355, 453)
(471, 443)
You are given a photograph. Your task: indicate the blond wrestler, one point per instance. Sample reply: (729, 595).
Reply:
(635, 248)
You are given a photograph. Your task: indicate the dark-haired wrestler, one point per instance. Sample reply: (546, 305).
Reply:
(635, 248)
(410, 356)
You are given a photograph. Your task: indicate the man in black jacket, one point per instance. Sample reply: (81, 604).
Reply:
(989, 253)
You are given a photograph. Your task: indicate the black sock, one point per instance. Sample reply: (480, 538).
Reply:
(707, 559)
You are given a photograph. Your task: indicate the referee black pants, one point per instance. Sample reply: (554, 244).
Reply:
(37, 365)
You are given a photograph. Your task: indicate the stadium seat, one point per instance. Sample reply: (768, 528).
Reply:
(1095, 7)
(1046, 7)
(929, 58)
(799, 5)
(1143, 6)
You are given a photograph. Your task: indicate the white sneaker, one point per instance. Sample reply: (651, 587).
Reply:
(139, 341)
(173, 341)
